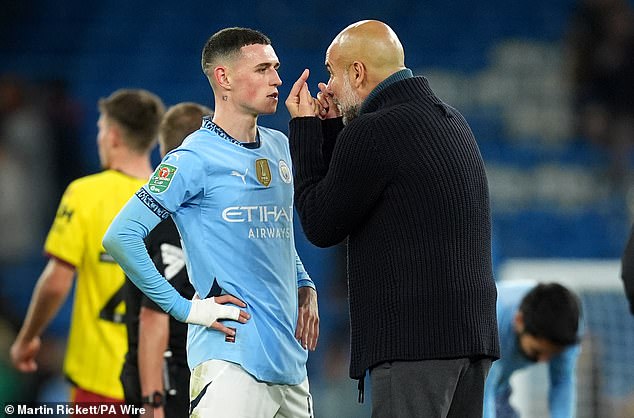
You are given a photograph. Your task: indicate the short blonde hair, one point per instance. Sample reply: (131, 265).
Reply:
(179, 121)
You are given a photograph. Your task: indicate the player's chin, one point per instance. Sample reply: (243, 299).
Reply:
(269, 108)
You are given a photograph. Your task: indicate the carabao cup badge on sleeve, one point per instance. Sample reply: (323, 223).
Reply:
(162, 178)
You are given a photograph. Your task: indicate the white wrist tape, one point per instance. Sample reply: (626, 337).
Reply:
(207, 311)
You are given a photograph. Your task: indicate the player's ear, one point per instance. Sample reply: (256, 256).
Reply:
(221, 77)
(115, 134)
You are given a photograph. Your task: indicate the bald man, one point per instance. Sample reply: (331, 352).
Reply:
(381, 161)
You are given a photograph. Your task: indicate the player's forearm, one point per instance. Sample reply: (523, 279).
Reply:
(562, 403)
(562, 394)
(49, 294)
(153, 338)
(561, 397)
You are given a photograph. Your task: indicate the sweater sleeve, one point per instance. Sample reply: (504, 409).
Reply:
(332, 200)
(330, 129)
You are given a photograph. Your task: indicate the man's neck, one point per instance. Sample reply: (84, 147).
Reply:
(138, 166)
(242, 127)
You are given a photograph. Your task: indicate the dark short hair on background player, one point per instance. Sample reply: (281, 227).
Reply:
(179, 121)
(552, 312)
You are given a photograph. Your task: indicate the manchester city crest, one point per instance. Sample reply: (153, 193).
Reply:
(285, 172)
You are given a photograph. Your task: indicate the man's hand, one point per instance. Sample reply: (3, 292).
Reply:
(299, 102)
(327, 109)
(307, 331)
(208, 311)
(23, 354)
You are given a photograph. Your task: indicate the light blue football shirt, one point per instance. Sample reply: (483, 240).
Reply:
(233, 206)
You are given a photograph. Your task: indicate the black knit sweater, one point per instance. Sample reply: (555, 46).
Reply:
(406, 184)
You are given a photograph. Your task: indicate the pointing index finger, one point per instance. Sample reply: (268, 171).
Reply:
(297, 86)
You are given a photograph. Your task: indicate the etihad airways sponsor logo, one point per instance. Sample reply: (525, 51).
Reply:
(257, 213)
(270, 233)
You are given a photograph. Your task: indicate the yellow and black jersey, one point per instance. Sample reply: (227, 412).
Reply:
(97, 341)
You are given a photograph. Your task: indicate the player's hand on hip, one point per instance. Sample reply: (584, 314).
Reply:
(307, 331)
(326, 107)
(299, 101)
(23, 354)
(209, 311)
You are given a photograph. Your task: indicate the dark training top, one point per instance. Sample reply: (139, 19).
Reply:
(405, 182)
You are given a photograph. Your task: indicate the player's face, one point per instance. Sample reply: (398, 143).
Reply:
(255, 79)
(537, 349)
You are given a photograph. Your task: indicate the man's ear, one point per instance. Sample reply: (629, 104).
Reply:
(115, 135)
(359, 74)
(221, 77)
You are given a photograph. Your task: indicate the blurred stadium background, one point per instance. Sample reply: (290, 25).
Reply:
(546, 86)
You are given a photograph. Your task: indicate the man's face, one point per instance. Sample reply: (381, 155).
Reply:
(255, 79)
(536, 349)
(339, 85)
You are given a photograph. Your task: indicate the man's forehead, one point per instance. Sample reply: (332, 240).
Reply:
(259, 52)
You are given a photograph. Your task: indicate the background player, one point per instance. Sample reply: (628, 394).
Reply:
(97, 343)
(538, 323)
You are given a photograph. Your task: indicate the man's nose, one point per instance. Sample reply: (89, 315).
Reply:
(277, 81)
